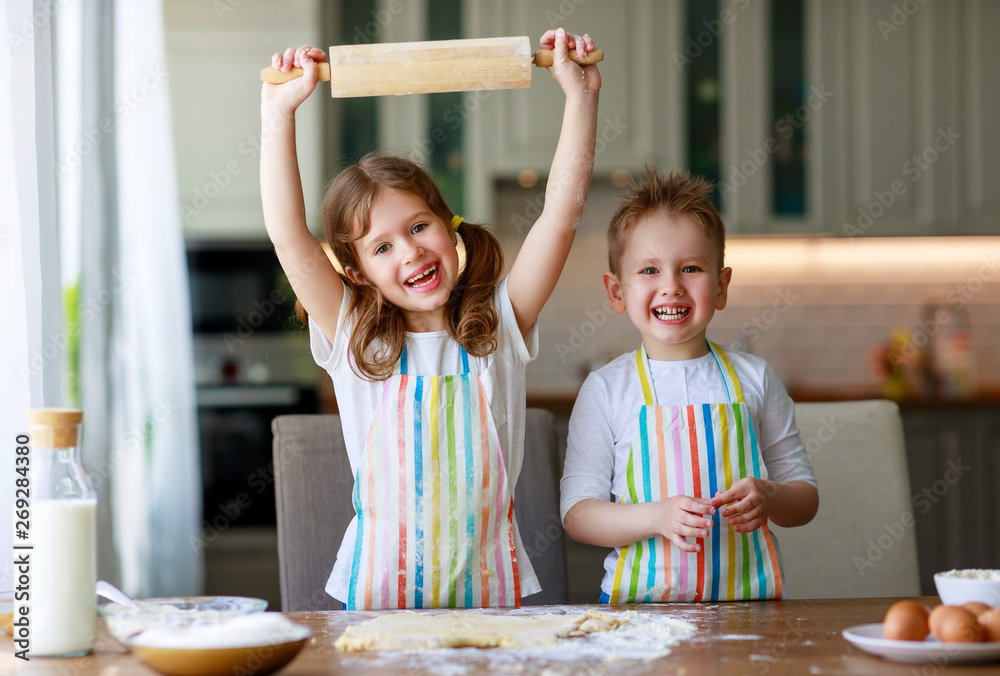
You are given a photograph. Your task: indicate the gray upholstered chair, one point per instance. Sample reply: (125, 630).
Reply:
(313, 486)
(862, 542)
(536, 505)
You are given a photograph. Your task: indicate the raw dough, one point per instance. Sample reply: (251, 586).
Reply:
(420, 631)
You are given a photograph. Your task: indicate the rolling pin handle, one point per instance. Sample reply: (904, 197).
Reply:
(275, 76)
(544, 58)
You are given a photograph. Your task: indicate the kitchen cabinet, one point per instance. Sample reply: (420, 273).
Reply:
(214, 52)
(897, 118)
(243, 562)
(954, 464)
(977, 68)
(640, 114)
(904, 146)
(897, 110)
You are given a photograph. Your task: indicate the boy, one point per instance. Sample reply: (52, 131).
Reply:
(697, 445)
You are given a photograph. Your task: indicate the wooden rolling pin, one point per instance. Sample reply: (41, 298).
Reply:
(398, 68)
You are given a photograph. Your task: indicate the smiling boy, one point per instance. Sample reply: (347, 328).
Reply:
(696, 445)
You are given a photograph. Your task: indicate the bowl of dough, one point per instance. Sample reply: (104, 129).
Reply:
(251, 645)
(175, 612)
(956, 587)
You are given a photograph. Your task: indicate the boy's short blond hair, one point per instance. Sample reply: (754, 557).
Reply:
(675, 194)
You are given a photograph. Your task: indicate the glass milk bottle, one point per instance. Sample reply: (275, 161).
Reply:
(63, 532)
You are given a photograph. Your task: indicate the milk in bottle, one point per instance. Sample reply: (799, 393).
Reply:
(63, 510)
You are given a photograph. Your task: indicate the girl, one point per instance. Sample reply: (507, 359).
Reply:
(427, 355)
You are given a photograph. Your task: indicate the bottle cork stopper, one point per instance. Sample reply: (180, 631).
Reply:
(55, 427)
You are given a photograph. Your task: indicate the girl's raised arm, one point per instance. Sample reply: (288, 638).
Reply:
(543, 254)
(313, 278)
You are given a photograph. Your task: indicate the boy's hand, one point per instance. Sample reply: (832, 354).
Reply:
(573, 78)
(751, 500)
(682, 517)
(285, 98)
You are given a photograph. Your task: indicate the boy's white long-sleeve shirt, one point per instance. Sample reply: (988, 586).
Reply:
(605, 418)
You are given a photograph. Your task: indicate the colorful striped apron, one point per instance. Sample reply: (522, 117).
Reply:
(696, 451)
(435, 516)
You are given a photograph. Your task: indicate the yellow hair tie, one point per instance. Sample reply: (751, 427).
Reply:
(456, 221)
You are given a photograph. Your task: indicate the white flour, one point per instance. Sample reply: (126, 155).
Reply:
(738, 637)
(974, 574)
(124, 623)
(644, 636)
(246, 631)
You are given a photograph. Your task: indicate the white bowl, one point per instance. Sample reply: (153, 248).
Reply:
(956, 587)
(172, 612)
(257, 661)
(250, 645)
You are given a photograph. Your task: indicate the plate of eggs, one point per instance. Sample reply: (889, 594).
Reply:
(948, 634)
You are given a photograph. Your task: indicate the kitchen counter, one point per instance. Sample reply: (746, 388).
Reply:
(562, 404)
(767, 637)
(986, 397)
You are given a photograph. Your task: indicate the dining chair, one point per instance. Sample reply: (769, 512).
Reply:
(536, 506)
(862, 542)
(312, 491)
(313, 488)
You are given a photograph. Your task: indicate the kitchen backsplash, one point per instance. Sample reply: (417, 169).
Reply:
(814, 308)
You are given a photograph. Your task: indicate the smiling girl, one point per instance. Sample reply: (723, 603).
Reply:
(427, 353)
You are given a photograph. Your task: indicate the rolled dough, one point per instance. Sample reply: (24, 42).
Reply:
(420, 631)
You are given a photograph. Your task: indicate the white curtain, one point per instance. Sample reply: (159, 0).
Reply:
(156, 497)
(129, 336)
(31, 359)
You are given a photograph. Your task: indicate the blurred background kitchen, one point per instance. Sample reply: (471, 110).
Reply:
(857, 156)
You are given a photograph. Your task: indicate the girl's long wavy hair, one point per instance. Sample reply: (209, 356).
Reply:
(471, 316)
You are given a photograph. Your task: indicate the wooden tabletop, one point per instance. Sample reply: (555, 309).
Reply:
(744, 639)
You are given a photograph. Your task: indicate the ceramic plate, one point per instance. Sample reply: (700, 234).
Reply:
(868, 637)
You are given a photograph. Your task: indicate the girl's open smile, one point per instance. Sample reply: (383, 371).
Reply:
(426, 278)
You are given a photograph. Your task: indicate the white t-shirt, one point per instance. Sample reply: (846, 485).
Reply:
(434, 353)
(605, 418)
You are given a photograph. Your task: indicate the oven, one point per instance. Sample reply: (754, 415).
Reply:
(252, 363)
(234, 426)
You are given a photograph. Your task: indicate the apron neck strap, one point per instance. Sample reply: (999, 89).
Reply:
(728, 373)
(721, 360)
(645, 376)
(400, 368)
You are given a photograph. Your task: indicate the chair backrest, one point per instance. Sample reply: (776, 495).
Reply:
(862, 542)
(536, 505)
(313, 488)
(313, 485)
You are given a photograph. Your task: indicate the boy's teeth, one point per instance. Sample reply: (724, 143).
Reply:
(413, 281)
(671, 313)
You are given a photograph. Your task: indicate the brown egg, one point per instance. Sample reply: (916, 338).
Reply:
(905, 621)
(934, 619)
(956, 625)
(975, 607)
(990, 621)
